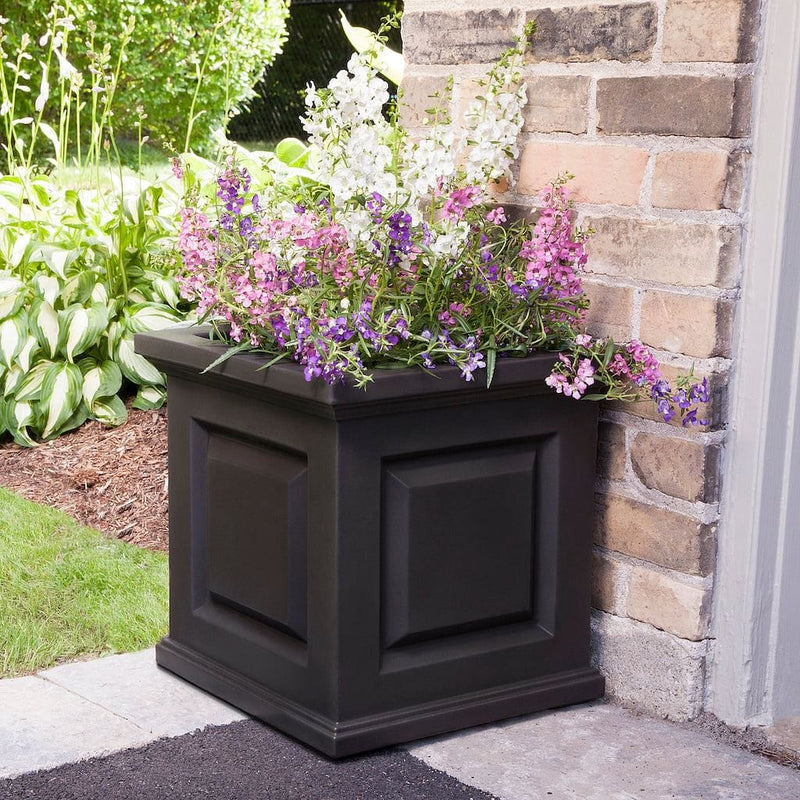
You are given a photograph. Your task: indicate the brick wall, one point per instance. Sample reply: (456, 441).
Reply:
(647, 103)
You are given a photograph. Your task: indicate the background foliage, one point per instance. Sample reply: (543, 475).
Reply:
(172, 42)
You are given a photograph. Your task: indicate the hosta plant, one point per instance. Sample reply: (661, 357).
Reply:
(384, 250)
(80, 273)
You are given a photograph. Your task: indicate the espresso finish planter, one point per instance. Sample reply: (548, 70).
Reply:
(361, 568)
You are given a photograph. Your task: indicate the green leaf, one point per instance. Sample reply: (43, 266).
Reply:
(77, 418)
(109, 411)
(387, 61)
(136, 368)
(231, 351)
(149, 398)
(292, 152)
(61, 396)
(609, 352)
(103, 381)
(71, 196)
(491, 360)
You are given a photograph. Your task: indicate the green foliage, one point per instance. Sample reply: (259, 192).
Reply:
(316, 49)
(174, 46)
(80, 273)
(70, 592)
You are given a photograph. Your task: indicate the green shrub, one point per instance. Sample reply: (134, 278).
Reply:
(173, 43)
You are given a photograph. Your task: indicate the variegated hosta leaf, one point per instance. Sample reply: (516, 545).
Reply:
(149, 398)
(101, 381)
(78, 289)
(167, 290)
(9, 284)
(136, 368)
(13, 378)
(12, 187)
(61, 396)
(47, 286)
(81, 328)
(44, 324)
(100, 294)
(57, 258)
(109, 410)
(151, 317)
(114, 335)
(19, 415)
(13, 335)
(29, 349)
(30, 387)
(10, 304)
(78, 417)
(13, 246)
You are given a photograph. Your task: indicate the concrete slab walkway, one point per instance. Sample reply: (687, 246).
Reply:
(591, 752)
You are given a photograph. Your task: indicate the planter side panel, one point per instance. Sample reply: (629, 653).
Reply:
(249, 585)
(465, 540)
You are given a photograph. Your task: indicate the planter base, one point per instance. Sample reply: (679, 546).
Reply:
(338, 740)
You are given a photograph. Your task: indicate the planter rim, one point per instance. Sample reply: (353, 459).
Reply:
(187, 351)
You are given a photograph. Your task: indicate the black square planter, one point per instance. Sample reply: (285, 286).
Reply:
(361, 568)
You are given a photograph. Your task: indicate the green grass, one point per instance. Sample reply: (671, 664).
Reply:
(67, 591)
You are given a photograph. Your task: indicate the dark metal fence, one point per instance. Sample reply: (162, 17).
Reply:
(315, 51)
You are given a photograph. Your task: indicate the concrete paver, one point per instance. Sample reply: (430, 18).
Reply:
(133, 687)
(43, 725)
(91, 708)
(604, 752)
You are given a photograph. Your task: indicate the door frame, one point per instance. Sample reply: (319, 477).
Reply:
(756, 655)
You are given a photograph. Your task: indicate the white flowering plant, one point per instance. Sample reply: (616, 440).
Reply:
(378, 249)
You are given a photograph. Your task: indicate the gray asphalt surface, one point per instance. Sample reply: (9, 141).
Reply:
(242, 761)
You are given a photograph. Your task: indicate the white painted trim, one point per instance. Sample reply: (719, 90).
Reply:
(761, 471)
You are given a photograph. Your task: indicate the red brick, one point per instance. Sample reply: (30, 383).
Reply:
(594, 33)
(603, 173)
(674, 105)
(662, 537)
(696, 326)
(665, 252)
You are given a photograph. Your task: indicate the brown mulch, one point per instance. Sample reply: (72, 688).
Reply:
(112, 479)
